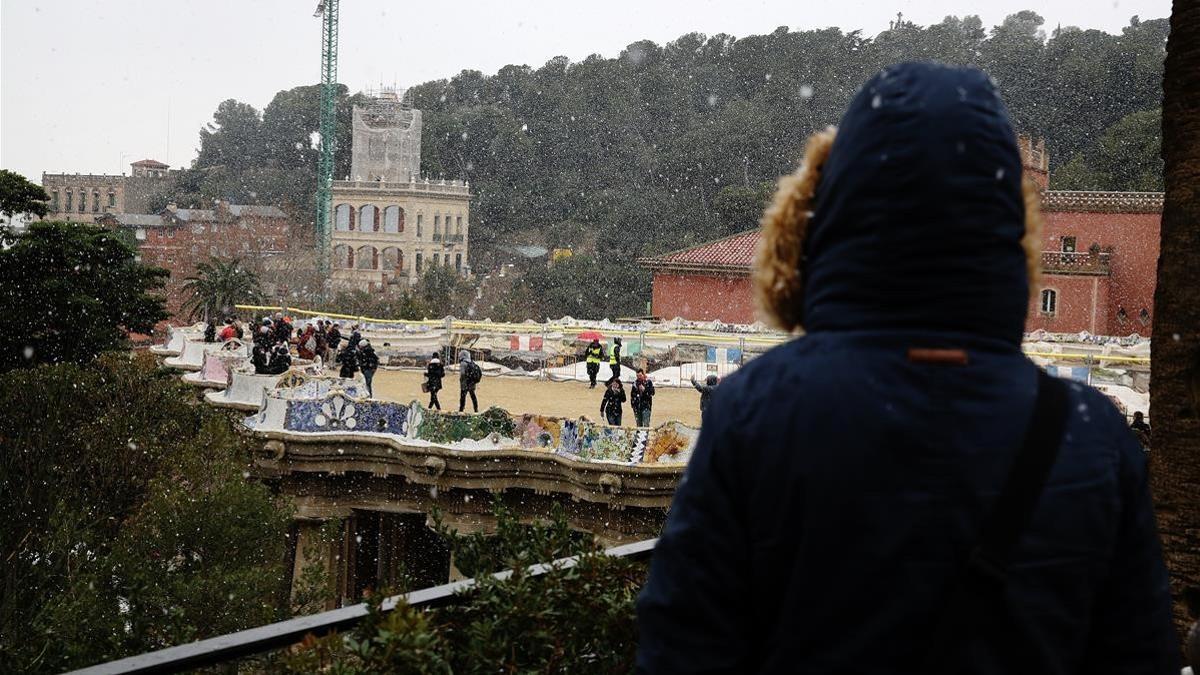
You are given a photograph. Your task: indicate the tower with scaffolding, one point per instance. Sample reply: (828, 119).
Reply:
(387, 139)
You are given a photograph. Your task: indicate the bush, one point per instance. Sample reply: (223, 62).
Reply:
(130, 525)
(576, 619)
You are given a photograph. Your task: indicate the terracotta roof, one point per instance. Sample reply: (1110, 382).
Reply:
(731, 254)
(152, 163)
(1088, 201)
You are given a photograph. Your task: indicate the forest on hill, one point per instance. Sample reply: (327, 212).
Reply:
(665, 146)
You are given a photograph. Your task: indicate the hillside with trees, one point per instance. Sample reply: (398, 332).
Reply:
(665, 146)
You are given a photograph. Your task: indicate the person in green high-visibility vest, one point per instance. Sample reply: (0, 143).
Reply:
(593, 354)
(614, 358)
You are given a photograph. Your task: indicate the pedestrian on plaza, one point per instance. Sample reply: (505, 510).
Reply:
(368, 363)
(614, 358)
(263, 336)
(614, 398)
(706, 390)
(280, 359)
(334, 338)
(227, 331)
(238, 331)
(469, 375)
(592, 355)
(306, 343)
(348, 358)
(355, 337)
(282, 328)
(434, 372)
(830, 521)
(210, 331)
(322, 349)
(1139, 423)
(641, 398)
(260, 357)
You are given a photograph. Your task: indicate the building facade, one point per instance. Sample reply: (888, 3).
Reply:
(390, 224)
(179, 239)
(84, 197)
(1099, 260)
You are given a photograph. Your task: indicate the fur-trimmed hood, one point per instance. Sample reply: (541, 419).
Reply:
(911, 216)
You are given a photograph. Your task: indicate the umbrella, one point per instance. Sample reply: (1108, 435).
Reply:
(590, 335)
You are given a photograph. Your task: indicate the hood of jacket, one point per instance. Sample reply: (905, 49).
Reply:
(918, 216)
(464, 356)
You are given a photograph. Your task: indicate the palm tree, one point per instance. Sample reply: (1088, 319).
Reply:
(219, 285)
(1175, 392)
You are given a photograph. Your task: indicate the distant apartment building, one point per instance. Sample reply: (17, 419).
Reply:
(179, 239)
(83, 197)
(389, 223)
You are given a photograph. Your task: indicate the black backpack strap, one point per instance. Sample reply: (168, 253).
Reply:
(979, 591)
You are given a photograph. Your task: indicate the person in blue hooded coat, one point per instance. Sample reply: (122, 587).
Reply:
(840, 480)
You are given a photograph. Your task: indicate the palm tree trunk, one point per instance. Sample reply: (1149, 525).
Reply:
(1175, 351)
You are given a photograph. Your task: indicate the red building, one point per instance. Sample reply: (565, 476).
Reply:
(1100, 259)
(178, 239)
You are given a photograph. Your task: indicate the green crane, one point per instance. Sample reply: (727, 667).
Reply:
(328, 11)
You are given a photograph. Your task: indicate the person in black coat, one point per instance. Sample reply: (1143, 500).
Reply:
(842, 479)
(706, 390)
(614, 358)
(368, 363)
(210, 331)
(641, 398)
(348, 358)
(280, 360)
(260, 358)
(434, 372)
(614, 398)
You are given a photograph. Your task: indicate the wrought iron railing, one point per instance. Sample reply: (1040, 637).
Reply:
(1069, 262)
(253, 641)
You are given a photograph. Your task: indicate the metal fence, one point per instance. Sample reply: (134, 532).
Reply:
(234, 646)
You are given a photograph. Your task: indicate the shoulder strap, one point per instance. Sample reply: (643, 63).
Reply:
(980, 586)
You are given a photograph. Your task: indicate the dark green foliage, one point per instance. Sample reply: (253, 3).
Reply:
(582, 286)
(573, 620)
(129, 523)
(1127, 154)
(512, 544)
(69, 292)
(217, 286)
(20, 197)
(439, 427)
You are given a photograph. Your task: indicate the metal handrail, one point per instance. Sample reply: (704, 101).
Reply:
(225, 648)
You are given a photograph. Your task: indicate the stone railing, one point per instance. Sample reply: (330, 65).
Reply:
(454, 187)
(1102, 202)
(1087, 262)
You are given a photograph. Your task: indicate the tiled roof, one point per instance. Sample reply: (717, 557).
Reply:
(240, 210)
(152, 163)
(137, 219)
(735, 254)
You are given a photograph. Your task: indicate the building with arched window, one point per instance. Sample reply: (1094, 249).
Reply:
(387, 220)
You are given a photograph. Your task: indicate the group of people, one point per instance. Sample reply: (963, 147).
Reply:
(641, 399)
(321, 339)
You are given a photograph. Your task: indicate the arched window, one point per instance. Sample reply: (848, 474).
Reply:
(368, 218)
(342, 257)
(1144, 317)
(342, 217)
(458, 263)
(393, 219)
(366, 258)
(393, 259)
(1049, 301)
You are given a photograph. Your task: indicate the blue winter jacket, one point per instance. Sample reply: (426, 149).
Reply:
(839, 483)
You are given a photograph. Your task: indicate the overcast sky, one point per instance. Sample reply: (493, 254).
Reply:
(92, 86)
